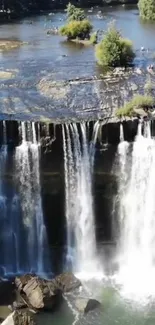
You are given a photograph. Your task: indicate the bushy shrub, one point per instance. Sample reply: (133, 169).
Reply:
(138, 101)
(147, 9)
(93, 38)
(114, 50)
(74, 13)
(76, 29)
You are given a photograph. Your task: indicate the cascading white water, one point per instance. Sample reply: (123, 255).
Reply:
(28, 177)
(137, 218)
(78, 165)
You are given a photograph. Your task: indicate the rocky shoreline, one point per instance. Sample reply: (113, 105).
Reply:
(28, 295)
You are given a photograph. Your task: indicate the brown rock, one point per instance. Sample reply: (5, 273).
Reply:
(67, 282)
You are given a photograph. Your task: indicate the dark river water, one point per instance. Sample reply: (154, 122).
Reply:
(50, 58)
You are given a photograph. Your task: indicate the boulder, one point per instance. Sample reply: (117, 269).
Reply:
(85, 305)
(38, 293)
(67, 282)
(19, 318)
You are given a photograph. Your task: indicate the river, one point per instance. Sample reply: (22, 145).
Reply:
(48, 57)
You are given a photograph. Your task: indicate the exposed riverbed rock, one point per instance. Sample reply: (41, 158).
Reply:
(7, 74)
(52, 89)
(67, 282)
(85, 305)
(38, 293)
(19, 318)
(7, 45)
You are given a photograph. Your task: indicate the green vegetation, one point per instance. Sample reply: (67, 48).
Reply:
(74, 13)
(138, 101)
(76, 29)
(93, 38)
(147, 9)
(114, 50)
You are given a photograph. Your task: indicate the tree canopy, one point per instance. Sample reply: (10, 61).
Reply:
(114, 50)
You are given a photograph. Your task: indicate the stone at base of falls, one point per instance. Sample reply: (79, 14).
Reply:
(19, 318)
(38, 293)
(67, 282)
(85, 305)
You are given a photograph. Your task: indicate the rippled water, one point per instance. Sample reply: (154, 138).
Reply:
(51, 58)
(48, 57)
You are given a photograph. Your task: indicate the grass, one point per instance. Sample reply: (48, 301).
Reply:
(138, 101)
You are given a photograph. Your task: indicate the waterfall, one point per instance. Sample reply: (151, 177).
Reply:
(28, 181)
(78, 165)
(137, 217)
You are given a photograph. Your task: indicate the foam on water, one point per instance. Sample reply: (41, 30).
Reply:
(137, 218)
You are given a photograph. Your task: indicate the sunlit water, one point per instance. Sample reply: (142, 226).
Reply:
(137, 225)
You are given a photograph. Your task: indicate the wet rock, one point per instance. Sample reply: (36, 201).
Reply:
(38, 293)
(67, 282)
(85, 305)
(19, 318)
(53, 31)
(7, 45)
(140, 112)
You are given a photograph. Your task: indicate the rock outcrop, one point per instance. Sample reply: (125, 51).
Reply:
(41, 294)
(85, 305)
(38, 293)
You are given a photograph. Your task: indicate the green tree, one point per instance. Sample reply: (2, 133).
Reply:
(147, 9)
(74, 13)
(114, 50)
(76, 29)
